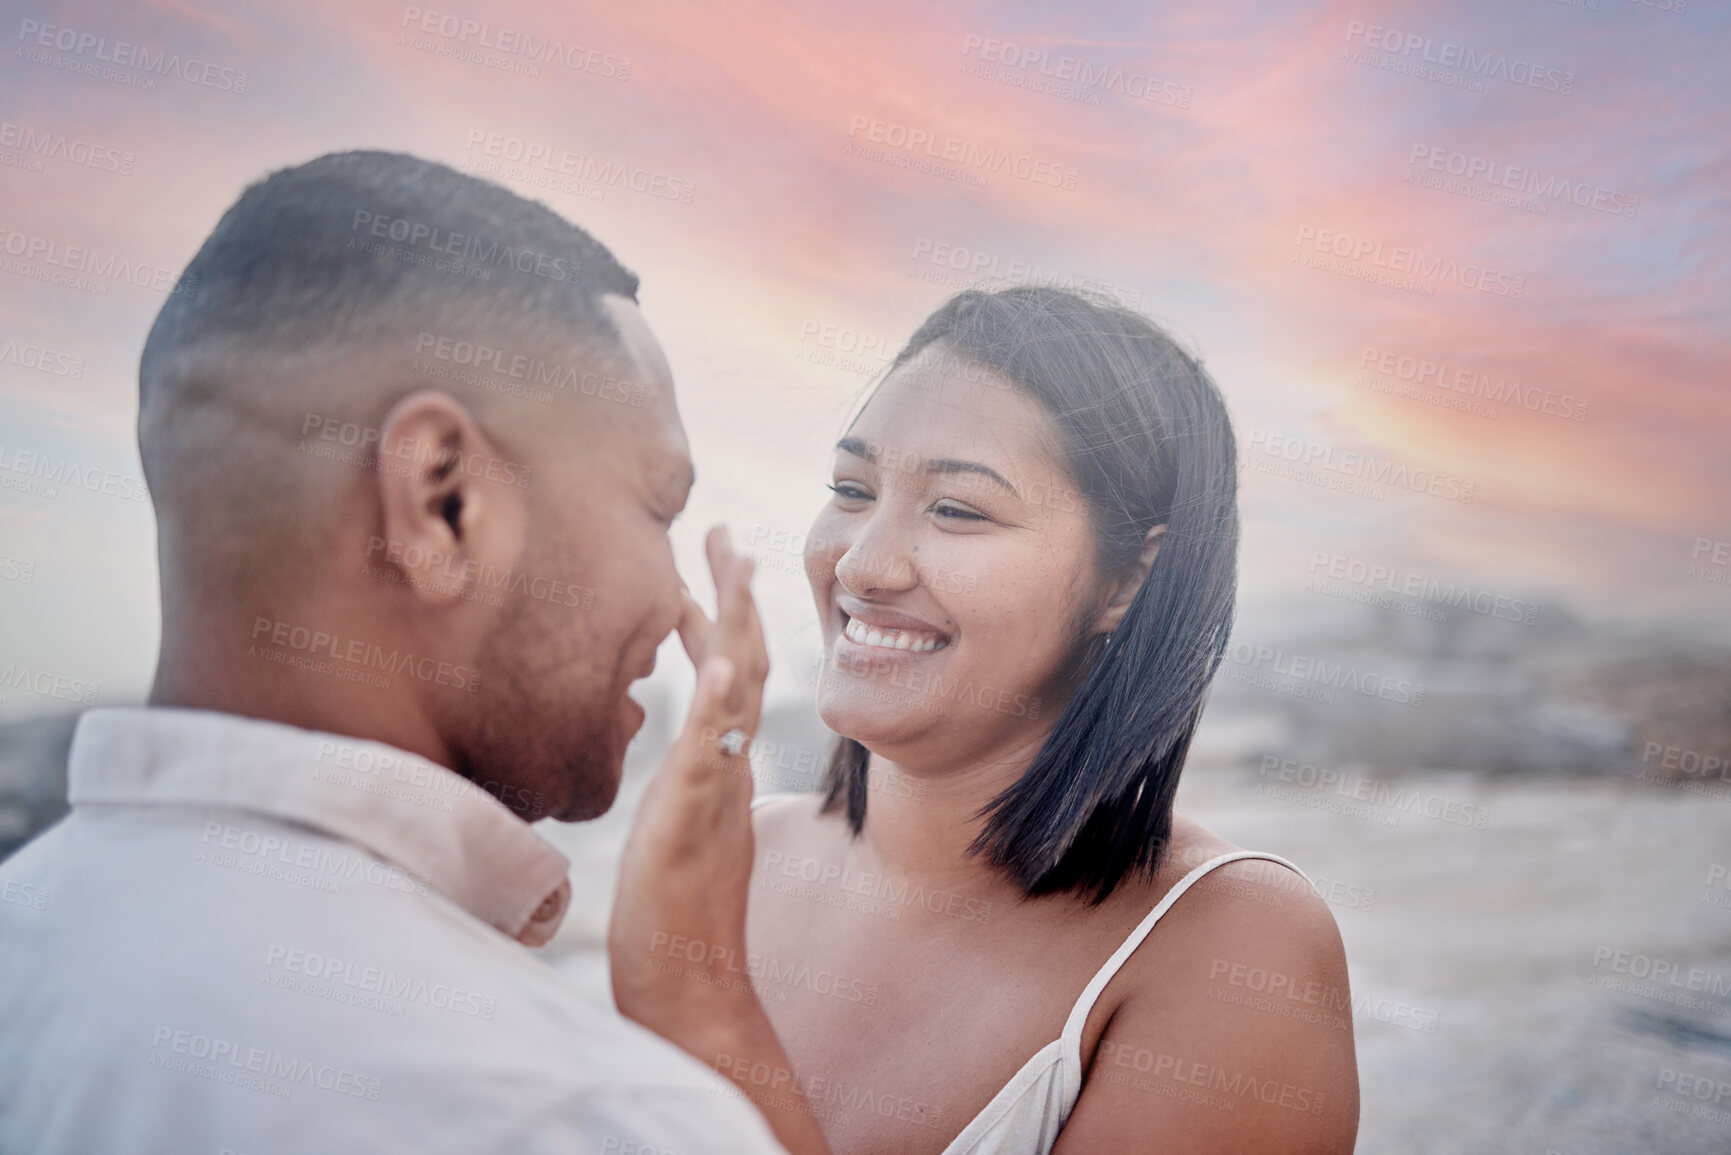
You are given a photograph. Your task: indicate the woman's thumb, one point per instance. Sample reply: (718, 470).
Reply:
(714, 682)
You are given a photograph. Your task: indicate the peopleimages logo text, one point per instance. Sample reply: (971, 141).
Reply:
(71, 149)
(1367, 467)
(106, 267)
(955, 150)
(1471, 61)
(1084, 74)
(1474, 383)
(1499, 174)
(516, 42)
(124, 54)
(1415, 262)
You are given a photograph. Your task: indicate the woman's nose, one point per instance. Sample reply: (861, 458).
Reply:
(879, 558)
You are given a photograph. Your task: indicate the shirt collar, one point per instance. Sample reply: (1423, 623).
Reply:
(425, 818)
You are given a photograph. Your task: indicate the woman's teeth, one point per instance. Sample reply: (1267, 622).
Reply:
(916, 641)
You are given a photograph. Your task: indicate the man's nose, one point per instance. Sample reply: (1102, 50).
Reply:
(670, 606)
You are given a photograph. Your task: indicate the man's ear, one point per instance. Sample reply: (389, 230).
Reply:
(448, 501)
(1124, 591)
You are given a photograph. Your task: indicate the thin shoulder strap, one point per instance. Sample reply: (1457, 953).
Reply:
(1072, 1037)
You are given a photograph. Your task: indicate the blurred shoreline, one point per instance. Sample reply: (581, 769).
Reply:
(1508, 821)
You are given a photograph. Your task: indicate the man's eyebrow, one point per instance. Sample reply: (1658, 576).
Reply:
(860, 449)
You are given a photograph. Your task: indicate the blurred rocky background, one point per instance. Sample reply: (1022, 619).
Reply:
(1494, 960)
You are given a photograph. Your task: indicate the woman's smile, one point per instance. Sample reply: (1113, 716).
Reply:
(879, 632)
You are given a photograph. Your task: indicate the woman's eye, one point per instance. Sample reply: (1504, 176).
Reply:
(959, 513)
(848, 491)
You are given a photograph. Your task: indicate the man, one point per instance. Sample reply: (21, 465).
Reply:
(414, 455)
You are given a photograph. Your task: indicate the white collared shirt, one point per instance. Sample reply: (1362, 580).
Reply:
(256, 939)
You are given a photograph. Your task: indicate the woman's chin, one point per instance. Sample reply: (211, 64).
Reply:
(868, 719)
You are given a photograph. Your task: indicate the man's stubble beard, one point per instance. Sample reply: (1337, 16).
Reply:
(535, 734)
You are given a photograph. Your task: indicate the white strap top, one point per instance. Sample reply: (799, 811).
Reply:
(1025, 1116)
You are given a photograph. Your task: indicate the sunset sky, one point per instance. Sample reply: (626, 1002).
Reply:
(1527, 195)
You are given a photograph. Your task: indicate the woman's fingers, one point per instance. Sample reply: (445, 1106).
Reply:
(712, 714)
(735, 641)
(694, 629)
(739, 632)
(696, 632)
(732, 575)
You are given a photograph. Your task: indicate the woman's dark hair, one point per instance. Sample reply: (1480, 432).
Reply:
(1147, 440)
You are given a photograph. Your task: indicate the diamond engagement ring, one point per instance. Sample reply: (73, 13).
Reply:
(733, 742)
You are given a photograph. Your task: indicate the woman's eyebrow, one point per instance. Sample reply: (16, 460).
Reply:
(952, 465)
(860, 449)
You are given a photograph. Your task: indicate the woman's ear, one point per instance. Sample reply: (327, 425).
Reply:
(1123, 592)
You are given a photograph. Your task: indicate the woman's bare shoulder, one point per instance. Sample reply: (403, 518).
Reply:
(1193, 844)
(1241, 984)
(1255, 900)
(789, 820)
(1250, 944)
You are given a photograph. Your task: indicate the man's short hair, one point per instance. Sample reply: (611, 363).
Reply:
(360, 249)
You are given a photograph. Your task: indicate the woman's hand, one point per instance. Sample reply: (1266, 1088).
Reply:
(677, 937)
(686, 869)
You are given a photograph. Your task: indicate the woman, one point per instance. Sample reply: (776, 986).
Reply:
(992, 933)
